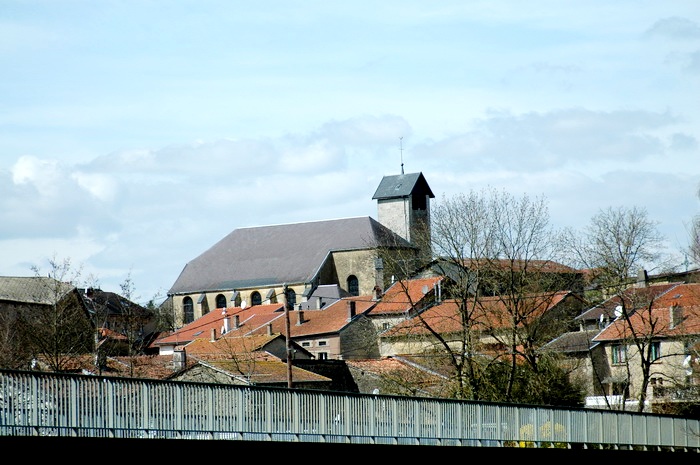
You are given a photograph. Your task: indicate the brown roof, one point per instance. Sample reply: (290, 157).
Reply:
(405, 295)
(490, 312)
(140, 366)
(249, 318)
(541, 266)
(655, 319)
(632, 297)
(229, 344)
(269, 371)
(330, 319)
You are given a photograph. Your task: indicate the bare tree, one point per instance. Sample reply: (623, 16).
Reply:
(494, 246)
(615, 245)
(694, 247)
(62, 328)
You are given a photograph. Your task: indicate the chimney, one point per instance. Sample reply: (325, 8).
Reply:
(351, 309)
(675, 315)
(377, 293)
(300, 317)
(179, 359)
(642, 278)
(213, 335)
(269, 329)
(236, 321)
(227, 328)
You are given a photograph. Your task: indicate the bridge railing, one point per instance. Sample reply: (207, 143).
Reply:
(51, 404)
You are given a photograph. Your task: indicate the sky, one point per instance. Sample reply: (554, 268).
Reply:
(134, 135)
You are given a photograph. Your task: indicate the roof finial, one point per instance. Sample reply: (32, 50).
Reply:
(401, 148)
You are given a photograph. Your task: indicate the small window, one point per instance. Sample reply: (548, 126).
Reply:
(220, 301)
(188, 308)
(255, 298)
(322, 343)
(322, 355)
(305, 344)
(353, 285)
(619, 354)
(655, 350)
(621, 389)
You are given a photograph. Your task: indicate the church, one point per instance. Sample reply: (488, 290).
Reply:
(253, 266)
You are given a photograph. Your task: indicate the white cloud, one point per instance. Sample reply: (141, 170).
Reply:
(137, 143)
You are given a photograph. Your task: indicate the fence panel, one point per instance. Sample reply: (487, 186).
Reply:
(60, 405)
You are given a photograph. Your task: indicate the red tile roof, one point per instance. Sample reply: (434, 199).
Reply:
(250, 318)
(330, 319)
(655, 317)
(405, 295)
(491, 312)
(227, 345)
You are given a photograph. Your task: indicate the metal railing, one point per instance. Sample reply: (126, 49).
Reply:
(51, 404)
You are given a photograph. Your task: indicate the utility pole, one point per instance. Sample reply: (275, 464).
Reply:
(287, 305)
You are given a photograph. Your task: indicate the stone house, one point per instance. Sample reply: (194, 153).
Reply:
(36, 309)
(489, 319)
(661, 324)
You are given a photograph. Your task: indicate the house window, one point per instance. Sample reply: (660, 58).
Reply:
(353, 285)
(619, 354)
(322, 343)
(188, 307)
(322, 355)
(305, 344)
(655, 350)
(220, 301)
(255, 298)
(620, 389)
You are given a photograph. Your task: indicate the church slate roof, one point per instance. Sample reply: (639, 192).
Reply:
(273, 255)
(402, 185)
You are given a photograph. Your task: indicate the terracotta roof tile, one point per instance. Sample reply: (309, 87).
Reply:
(674, 313)
(250, 318)
(405, 295)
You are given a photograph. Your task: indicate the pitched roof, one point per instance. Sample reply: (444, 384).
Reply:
(139, 366)
(264, 372)
(113, 303)
(225, 346)
(331, 319)
(572, 342)
(405, 295)
(676, 313)
(399, 375)
(274, 255)
(250, 317)
(631, 297)
(402, 185)
(33, 290)
(535, 266)
(490, 313)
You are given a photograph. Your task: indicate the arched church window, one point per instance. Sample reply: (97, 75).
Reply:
(188, 308)
(353, 285)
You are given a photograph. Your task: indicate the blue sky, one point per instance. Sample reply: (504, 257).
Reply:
(136, 134)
